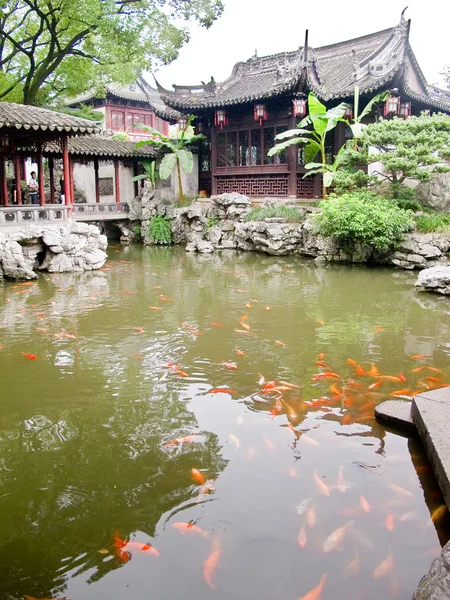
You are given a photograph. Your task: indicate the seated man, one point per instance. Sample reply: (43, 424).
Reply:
(33, 187)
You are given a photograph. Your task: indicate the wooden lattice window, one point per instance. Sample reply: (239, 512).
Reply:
(262, 185)
(244, 153)
(117, 120)
(106, 186)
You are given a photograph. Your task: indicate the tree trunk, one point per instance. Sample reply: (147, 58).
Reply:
(180, 187)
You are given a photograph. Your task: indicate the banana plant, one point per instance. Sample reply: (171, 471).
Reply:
(177, 153)
(322, 122)
(151, 172)
(356, 124)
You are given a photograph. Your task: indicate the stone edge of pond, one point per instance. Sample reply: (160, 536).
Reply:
(396, 414)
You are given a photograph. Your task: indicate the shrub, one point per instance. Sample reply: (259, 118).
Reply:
(291, 215)
(433, 223)
(403, 196)
(365, 217)
(159, 230)
(211, 222)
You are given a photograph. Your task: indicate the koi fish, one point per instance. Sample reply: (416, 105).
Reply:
(418, 369)
(376, 385)
(138, 329)
(209, 567)
(335, 390)
(434, 379)
(246, 332)
(320, 322)
(389, 378)
(261, 380)
(187, 439)
(244, 325)
(326, 375)
(334, 540)
(378, 329)
(389, 523)
(267, 307)
(197, 477)
(402, 392)
(408, 516)
(373, 371)
(291, 386)
(303, 506)
(384, 568)
(239, 352)
(181, 373)
(401, 377)
(352, 569)
(321, 485)
(216, 325)
(189, 528)
(194, 332)
(248, 305)
(434, 370)
(311, 517)
(164, 299)
(222, 391)
(229, 365)
(244, 317)
(123, 548)
(320, 363)
(29, 356)
(419, 356)
(316, 593)
(400, 490)
(364, 504)
(302, 537)
(234, 440)
(282, 344)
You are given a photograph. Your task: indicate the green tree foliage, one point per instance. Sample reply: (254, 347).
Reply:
(410, 148)
(50, 48)
(365, 217)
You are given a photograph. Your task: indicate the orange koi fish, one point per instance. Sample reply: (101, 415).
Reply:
(194, 332)
(282, 344)
(216, 325)
(291, 386)
(267, 307)
(388, 378)
(248, 305)
(316, 593)
(320, 356)
(123, 548)
(164, 299)
(181, 373)
(376, 385)
(321, 485)
(138, 329)
(402, 392)
(401, 377)
(155, 308)
(230, 391)
(311, 517)
(373, 371)
(320, 322)
(378, 329)
(335, 390)
(326, 375)
(419, 356)
(434, 370)
(189, 528)
(418, 369)
(244, 325)
(352, 569)
(244, 317)
(302, 537)
(197, 477)
(229, 365)
(384, 568)
(320, 363)
(364, 504)
(187, 439)
(433, 379)
(209, 567)
(29, 356)
(389, 523)
(334, 540)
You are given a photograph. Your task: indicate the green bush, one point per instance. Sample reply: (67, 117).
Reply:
(211, 222)
(363, 216)
(291, 215)
(159, 230)
(433, 223)
(404, 197)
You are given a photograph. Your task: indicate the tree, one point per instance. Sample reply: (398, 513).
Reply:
(177, 151)
(322, 121)
(52, 48)
(410, 148)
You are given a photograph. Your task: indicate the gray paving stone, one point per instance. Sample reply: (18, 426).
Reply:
(397, 414)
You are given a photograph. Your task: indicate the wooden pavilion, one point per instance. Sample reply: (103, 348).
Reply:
(267, 95)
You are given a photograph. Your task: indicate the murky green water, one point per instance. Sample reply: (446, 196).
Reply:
(87, 430)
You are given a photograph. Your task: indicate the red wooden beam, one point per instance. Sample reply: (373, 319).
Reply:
(116, 180)
(40, 166)
(72, 185)
(97, 181)
(66, 170)
(17, 177)
(51, 173)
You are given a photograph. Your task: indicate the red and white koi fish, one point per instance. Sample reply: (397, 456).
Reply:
(316, 593)
(384, 568)
(229, 365)
(187, 439)
(124, 549)
(334, 540)
(321, 485)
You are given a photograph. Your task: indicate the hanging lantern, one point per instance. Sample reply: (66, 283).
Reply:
(392, 104)
(260, 113)
(299, 106)
(220, 118)
(199, 128)
(182, 123)
(348, 113)
(405, 110)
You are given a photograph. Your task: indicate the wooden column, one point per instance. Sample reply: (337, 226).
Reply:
(40, 166)
(213, 161)
(292, 154)
(51, 174)
(4, 186)
(17, 177)
(97, 181)
(116, 180)
(66, 170)
(72, 185)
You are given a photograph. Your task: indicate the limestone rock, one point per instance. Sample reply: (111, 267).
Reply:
(435, 279)
(435, 193)
(231, 198)
(435, 585)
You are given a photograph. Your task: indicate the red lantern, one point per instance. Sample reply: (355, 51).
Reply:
(392, 104)
(260, 113)
(348, 113)
(299, 106)
(405, 110)
(220, 118)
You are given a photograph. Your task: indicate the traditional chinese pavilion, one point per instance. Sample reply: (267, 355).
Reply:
(126, 106)
(267, 95)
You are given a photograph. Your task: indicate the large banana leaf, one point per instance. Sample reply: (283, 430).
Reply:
(186, 160)
(167, 164)
(283, 145)
(312, 148)
(328, 178)
(315, 107)
(314, 165)
(290, 132)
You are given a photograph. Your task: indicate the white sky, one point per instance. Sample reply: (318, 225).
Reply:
(279, 26)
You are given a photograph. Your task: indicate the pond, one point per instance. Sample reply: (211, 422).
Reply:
(181, 425)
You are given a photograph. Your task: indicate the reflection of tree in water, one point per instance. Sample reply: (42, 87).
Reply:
(84, 481)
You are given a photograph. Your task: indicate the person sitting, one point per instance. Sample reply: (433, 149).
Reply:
(33, 188)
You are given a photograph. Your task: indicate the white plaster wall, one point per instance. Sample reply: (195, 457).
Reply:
(189, 181)
(84, 178)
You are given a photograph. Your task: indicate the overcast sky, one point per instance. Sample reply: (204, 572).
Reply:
(279, 26)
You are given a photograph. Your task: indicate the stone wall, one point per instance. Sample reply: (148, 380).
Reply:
(72, 247)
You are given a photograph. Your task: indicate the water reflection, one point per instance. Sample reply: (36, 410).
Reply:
(96, 433)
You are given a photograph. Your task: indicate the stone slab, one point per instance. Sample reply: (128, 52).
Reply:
(435, 585)
(397, 414)
(431, 415)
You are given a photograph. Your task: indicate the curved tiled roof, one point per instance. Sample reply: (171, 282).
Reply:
(21, 116)
(372, 62)
(105, 147)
